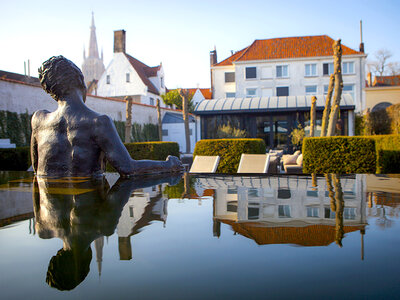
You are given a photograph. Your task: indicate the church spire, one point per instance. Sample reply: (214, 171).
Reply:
(93, 50)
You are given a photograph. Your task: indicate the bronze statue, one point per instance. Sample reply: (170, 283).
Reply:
(75, 140)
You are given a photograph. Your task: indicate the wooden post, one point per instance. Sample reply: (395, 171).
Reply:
(337, 65)
(159, 120)
(327, 109)
(313, 115)
(128, 123)
(185, 113)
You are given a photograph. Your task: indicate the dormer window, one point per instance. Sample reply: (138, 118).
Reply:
(128, 77)
(108, 79)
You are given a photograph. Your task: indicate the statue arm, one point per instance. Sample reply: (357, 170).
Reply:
(116, 153)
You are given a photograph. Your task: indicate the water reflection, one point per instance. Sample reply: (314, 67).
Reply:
(305, 211)
(80, 211)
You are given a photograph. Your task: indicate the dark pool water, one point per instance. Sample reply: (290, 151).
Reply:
(205, 237)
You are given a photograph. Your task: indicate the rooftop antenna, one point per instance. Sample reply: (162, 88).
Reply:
(361, 38)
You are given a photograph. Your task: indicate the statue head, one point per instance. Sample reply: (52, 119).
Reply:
(58, 76)
(68, 268)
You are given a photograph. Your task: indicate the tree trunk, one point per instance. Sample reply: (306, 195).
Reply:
(128, 123)
(185, 119)
(327, 110)
(337, 56)
(313, 115)
(339, 209)
(159, 120)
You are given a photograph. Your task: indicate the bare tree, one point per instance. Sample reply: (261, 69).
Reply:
(380, 65)
(185, 112)
(393, 68)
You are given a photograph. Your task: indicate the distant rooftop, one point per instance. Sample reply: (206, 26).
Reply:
(289, 47)
(19, 77)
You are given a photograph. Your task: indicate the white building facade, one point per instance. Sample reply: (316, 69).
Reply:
(127, 76)
(288, 67)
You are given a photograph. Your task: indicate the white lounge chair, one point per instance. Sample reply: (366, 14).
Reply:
(254, 163)
(204, 164)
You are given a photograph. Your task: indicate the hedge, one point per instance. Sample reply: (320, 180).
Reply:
(339, 154)
(387, 153)
(150, 150)
(229, 150)
(16, 159)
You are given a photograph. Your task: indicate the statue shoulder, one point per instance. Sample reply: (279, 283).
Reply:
(102, 121)
(38, 116)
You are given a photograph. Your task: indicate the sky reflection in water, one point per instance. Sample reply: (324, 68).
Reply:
(265, 237)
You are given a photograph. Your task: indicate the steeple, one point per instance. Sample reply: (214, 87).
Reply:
(93, 50)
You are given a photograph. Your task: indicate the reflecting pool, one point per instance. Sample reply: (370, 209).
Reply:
(200, 237)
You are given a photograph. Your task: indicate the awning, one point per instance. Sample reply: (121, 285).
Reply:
(266, 104)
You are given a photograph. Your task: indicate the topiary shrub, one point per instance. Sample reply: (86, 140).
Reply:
(229, 150)
(339, 154)
(387, 153)
(150, 150)
(16, 159)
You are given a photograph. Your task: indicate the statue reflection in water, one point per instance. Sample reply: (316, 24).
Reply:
(78, 211)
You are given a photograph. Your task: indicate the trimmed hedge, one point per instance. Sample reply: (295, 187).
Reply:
(339, 154)
(229, 150)
(15, 159)
(150, 150)
(387, 153)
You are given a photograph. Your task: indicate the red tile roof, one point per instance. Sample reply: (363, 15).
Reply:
(205, 91)
(386, 80)
(144, 71)
(290, 47)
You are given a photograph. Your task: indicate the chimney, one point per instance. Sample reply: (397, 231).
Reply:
(213, 57)
(119, 41)
(213, 61)
(361, 38)
(369, 79)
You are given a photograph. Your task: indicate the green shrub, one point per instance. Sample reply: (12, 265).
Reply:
(17, 159)
(387, 153)
(150, 150)
(339, 154)
(229, 150)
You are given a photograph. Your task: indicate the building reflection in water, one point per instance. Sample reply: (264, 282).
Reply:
(289, 210)
(80, 211)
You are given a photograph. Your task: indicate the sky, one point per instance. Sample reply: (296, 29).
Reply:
(180, 34)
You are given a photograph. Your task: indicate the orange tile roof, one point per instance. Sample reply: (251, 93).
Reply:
(290, 47)
(386, 80)
(313, 235)
(205, 91)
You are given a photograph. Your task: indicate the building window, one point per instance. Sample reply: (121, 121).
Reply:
(108, 79)
(162, 82)
(326, 89)
(348, 89)
(282, 71)
(165, 132)
(327, 69)
(349, 213)
(266, 72)
(251, 72)
(131, 211)
(251, 92)
(128, 77)
(282, 91)
(312, 212)
(348, 68)
(230, 95)
(311, 90)
(329, 214)
(151, 101)
(284, 211)
(311, 70)
(229, 76)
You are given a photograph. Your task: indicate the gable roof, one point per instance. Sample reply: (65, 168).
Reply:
(19, 77)
(290, 47)
(144, 72)
(386, 80)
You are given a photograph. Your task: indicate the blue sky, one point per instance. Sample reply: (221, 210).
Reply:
(180, 34)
